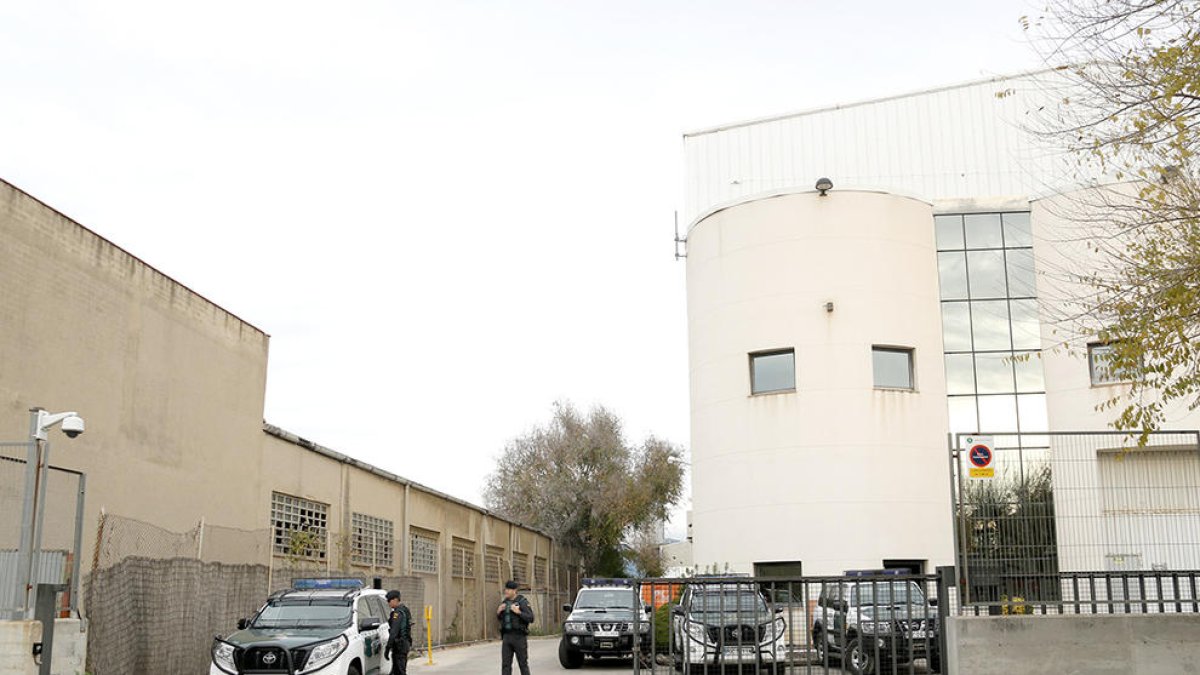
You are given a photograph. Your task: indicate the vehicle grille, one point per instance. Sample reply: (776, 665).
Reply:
(264, 660)
(742, 634)
(910, 625)
(607, 626)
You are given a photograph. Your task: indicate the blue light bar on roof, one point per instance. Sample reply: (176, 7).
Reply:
(325, 584)
(608, 582)
(876, 573)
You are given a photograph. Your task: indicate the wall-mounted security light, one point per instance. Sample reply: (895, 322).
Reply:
(824, 185)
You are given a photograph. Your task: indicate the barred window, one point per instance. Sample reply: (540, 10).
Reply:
(371, 541)
(424, 552)
(298, 526)
(520, 567)
(539, 572)
(493, 562)
(462, 562)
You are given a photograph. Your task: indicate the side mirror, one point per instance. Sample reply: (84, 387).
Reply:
(649, 609)
(567, 609)
(243, 624)
(677, 610)
(779, 610)
(367, 625)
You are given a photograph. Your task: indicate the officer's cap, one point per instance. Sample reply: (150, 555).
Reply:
(393, 595)
(512, 584)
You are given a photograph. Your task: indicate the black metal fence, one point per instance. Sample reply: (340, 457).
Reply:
(1173, 592)
(863, 623)
(1055, 510)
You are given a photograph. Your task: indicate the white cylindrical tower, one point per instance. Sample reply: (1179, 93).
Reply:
(818, 397)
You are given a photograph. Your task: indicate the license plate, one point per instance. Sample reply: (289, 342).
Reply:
(606, 634)
(742, 654)
(607, 645)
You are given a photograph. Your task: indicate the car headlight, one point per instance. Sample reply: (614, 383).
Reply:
(644, 627)
(325, 653)
(575, 627)
(222, 656)
(697, 632)
(877, 627)
(773, 631)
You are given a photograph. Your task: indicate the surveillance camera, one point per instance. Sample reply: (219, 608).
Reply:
(72, 426)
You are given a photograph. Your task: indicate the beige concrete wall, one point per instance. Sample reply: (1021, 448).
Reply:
(834, 462)
(171, 386)
(1155, 644)
(16, 647)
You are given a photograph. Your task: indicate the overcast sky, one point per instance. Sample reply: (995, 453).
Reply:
(447, 215)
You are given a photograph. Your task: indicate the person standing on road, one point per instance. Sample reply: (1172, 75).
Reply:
(399, 633)
(514, 615)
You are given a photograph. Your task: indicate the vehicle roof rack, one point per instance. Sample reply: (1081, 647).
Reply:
(589, 582)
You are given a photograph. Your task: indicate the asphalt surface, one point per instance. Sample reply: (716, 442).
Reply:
(484, 659)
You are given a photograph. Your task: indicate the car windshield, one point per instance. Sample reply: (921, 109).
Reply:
(729, 601)
(295, 615)
(889, 593)
(605, 599)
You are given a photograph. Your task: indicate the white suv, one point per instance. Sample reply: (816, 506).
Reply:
(333, 626)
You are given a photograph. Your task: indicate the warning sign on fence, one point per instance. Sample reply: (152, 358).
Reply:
(981, 451)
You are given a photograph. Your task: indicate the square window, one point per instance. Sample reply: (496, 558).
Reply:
(1030, 378)
(893, 367)
(956, 326)
(990, 325)
(462, 563)
(964, 417)
(1017, 230)
(994, 372)
(1100, 356)
(423, 552)
(371, 541)
(987, 276)
(983, 230)
(1021, 278)
(773, 371)
(998, 414)
(949, 232)
(1026, 326)
(299, 526)
(960, 374)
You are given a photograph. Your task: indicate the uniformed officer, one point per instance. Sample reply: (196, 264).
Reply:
(399, 633)
(514, 615)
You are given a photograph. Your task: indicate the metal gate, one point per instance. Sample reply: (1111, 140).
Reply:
(1050, 509)
(865, 622)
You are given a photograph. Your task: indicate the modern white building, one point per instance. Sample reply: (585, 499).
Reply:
(837, 335)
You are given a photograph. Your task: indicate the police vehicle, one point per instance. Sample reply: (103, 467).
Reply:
(334, 626)
(727, 622)
(875, 621)
(602, 622)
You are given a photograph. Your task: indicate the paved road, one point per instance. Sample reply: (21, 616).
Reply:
(484, 659)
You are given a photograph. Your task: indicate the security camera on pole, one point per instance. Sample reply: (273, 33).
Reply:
(33, 509)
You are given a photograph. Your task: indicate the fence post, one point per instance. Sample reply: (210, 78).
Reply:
(946, 576)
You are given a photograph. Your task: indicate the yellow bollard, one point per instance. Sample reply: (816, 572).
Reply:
(429, 630)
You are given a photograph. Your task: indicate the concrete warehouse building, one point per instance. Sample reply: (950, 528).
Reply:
(837, 334)
(172, 388)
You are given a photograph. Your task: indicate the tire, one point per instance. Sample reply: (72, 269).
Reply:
(821, 645)
(935, 662)
(569, 658)
(859, 660)
(353, 670)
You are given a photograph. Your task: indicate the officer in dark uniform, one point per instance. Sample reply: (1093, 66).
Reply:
(399, 633)
(514, 615)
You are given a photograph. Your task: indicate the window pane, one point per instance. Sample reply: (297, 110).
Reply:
(1030, 376)
(989, 323)
(1025, 326)
(1021, 280)
(1017, 231)
(893, 368)
(952, 275)
(773, 372)
(1103, 371)
(997, 413)
(949, 230)
(1032, 408)
(960, 374)
(987, 274)
(956, 326)
(995, 373)
(962, 415)
(983, 230)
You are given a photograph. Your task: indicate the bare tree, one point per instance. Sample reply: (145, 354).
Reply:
(578, 479)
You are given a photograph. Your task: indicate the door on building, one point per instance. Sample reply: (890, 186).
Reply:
(910, 566)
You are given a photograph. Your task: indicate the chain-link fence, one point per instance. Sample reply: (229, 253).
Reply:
(38, 545)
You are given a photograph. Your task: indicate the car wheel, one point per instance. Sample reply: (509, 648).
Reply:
(935, 662)
(859, 660)
(821, 645)
(569, 658)
(353, 670)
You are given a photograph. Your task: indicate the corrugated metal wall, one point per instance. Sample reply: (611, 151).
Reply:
(52, 566)
(958, 142)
